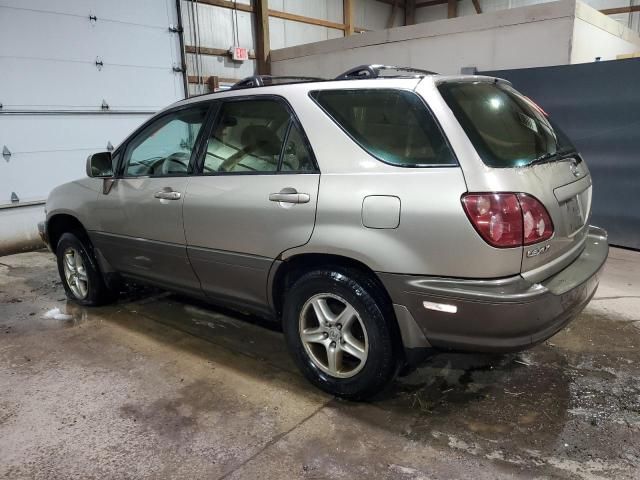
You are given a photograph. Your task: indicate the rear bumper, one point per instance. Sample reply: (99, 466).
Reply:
(497, 315)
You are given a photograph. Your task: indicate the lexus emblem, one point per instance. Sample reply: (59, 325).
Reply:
(574, 169)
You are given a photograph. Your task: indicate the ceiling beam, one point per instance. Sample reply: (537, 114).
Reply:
(614, 11)
(391, 2)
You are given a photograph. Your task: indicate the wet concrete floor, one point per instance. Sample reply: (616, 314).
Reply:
(158, 386)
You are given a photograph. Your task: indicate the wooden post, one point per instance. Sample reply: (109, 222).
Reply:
(263, 50)
(476, 4)
(453, 8)
(410, 12)
(392, 15)
(347, 17)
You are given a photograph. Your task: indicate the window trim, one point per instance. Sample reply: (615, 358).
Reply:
(293, 118)
(456, 163)
(124, 147)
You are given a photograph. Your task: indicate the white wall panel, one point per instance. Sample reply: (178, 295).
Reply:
(323, 9)
(287, 33)
(374, 15)
(217, 26)
(221, 66)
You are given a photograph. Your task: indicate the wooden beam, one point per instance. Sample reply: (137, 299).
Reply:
(210, 80)
(410, 12)
(347, 17)
(263, 49)
(220, 52)
(278, 14)
(476, 4)
(430, 3)
(392, 16)
(453, 9)
(308, 20)
(391, 2)
(227, 4)
(614, 11)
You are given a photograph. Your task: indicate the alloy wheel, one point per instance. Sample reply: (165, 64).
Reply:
(75, 273)
(333, 335)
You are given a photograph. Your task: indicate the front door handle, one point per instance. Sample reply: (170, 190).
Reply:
(168, 195)
(289, 195)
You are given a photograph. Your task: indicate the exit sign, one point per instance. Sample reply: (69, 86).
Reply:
(239, 54)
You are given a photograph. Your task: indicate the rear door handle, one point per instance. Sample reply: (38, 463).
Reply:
(289, 195)
(168, 195)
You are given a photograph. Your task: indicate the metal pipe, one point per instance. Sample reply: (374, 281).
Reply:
(183, 59)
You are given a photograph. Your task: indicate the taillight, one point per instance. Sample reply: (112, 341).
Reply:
(536, 223)
(506, 220)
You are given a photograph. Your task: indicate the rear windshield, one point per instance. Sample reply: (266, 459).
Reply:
(506, 128)
(394, 126)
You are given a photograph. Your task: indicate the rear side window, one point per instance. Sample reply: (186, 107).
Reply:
(506, 128)
(394, 126)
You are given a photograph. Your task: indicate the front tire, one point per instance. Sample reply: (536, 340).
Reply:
(335, 326)
(79, 273)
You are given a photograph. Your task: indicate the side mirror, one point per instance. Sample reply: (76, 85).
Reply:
(100, 165)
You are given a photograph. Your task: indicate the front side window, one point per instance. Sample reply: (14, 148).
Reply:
(394, 126)
(164, 147)
(257, 135)
(506, 128)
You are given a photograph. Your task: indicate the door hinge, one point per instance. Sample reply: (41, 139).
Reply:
(93, 18)
(109, 146)
(6, 153)
(14, 197)
(178, 69)
(105, 105)
(99, 63)
(175, 28)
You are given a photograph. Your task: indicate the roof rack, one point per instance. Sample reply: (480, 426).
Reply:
(374, 71)
(265, 80)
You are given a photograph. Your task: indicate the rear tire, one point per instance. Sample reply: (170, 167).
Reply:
(335, 327)
(82, 281)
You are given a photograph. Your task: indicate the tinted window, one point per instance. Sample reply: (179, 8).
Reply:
(164, 147)
(505, 127)
(248, 137)
(393, 125)
(296, 156)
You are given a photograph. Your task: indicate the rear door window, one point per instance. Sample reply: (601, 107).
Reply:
(256, 136)
(506, 128)
(394, 126)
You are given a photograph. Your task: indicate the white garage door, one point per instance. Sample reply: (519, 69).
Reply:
(59, 61)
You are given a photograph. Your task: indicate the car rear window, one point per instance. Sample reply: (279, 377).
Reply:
(506, 128)
(394, 126)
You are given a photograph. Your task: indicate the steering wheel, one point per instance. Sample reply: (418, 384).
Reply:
(169, 164)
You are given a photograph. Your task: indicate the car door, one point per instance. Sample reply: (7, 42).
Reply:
(140, 226)
(254, 197)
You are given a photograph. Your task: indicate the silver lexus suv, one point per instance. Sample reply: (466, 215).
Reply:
(376, 216)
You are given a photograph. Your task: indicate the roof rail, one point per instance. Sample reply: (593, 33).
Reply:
(374, 71)
(265, 80)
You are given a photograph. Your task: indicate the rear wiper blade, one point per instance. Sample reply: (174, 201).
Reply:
(552, 156)
(544, 158)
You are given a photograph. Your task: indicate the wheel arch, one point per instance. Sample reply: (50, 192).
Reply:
(285, 273)
(61, 223)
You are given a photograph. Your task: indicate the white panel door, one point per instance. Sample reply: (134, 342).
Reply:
(51, 89)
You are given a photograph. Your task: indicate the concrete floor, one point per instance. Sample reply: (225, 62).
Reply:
(161, 387)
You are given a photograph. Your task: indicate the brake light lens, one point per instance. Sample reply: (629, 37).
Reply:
(507, 220)
(537, 225)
